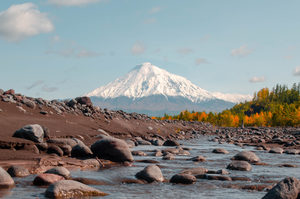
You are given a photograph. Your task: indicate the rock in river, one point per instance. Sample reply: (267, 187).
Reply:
(288, 188)
(247, 156)
(183, 179)
(18, 171)
(47, 179)
(112, 149)
(150, 174)
(220, 150)
(71, 189)
(5, 179)
(239, 165)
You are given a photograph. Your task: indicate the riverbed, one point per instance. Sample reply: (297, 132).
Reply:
(203, 188)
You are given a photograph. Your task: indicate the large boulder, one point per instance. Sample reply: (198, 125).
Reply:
(46, 179)
(5, 179)
(239, 165)
(18, 171)
(288, 188)
(112, 149)
(71, 189)
(33, 132)
(183, 179)
(247, 156)
(151, 173)
(62, 171)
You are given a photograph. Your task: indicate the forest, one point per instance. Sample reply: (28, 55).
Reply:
(277, 107)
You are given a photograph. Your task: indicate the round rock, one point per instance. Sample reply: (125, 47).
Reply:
(47, 179)
(112, 149)
(18, 171)
(62, 171)
(247, 156)
(33, 132)
(81, 150)
(183, 179)
(276, 150)
(6, 180)
(150, 174)
(71, 189)
(239, 165)
(288, 188)
(220, 151)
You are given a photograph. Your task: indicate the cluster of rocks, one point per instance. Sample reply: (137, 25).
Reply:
(262, 137)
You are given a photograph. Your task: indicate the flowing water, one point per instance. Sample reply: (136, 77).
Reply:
(201, 189)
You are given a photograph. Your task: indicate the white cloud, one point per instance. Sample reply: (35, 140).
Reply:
(297, 71)
(138, 48)
(155, 10)
(23, 20)
(257, 79)
(185, 51)
(201, 61)
(241, 51)
(72, 2)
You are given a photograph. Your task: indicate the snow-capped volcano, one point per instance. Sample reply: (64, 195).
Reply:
(152, 90)
(146, 80)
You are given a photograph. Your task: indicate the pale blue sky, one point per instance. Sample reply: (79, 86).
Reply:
(233, 46)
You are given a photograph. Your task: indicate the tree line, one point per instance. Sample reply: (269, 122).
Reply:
(277, 107)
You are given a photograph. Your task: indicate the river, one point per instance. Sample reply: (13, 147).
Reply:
(201, 189)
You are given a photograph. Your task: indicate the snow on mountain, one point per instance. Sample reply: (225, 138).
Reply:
(147, 80)
(235, 98)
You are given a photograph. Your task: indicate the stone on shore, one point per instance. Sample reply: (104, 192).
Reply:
(33, 132)
(46, 179)
(81, 150)
(18, 171)
(239, 165)
(62, 171)
(6, 180)
(288, 188)
(151, 173)
(71, 189)
(247, 156)
(183, 179)
(55, 149)
(112, 149)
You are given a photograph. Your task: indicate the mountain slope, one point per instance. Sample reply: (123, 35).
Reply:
(150, 89)
(146, 80)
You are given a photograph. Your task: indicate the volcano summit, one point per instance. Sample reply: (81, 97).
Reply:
(151, 90)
